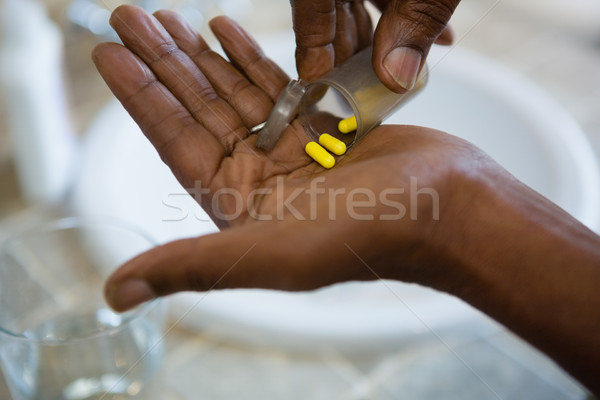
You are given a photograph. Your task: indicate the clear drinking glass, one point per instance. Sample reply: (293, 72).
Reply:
(58, 338)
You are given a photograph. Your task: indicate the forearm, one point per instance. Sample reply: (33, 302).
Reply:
(534, 268)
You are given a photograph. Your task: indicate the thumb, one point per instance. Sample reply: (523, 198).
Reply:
(248, 257)
(403, 37)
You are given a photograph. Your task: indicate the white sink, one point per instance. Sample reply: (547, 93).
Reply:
(121, 176)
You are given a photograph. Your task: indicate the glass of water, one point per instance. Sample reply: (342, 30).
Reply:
(58, 338)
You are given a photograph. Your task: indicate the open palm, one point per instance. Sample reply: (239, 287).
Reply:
(197, 108)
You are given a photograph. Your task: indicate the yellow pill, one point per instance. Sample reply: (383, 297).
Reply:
(347, 125)
(332, 144)
(319, 154)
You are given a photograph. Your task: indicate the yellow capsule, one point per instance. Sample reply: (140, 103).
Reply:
(319, 154)
(332, 144)
(347, 125)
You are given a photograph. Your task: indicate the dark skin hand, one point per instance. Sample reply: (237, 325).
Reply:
(487, 238)
(328, 32)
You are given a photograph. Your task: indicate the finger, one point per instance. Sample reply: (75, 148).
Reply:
(185, 146)
(314, 26)
(364, 27)
(345, 42)
(446, 38)
(249, 101)
(255, 256)
(403, 37)
(380, 4)
(144, 35)
(247, 56)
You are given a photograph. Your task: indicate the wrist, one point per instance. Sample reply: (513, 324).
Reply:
(528, 264)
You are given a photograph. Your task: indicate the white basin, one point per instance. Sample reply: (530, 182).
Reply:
(121, 176)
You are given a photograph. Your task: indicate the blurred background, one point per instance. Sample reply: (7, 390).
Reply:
(48, 81)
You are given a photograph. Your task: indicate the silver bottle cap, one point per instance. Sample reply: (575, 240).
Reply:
(284, 111)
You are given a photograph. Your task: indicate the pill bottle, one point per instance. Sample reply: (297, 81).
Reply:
(351, 89)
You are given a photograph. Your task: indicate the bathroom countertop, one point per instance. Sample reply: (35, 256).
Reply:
(493, 364)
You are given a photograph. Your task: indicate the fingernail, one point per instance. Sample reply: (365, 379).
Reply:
(403, 65)
(129, 294)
